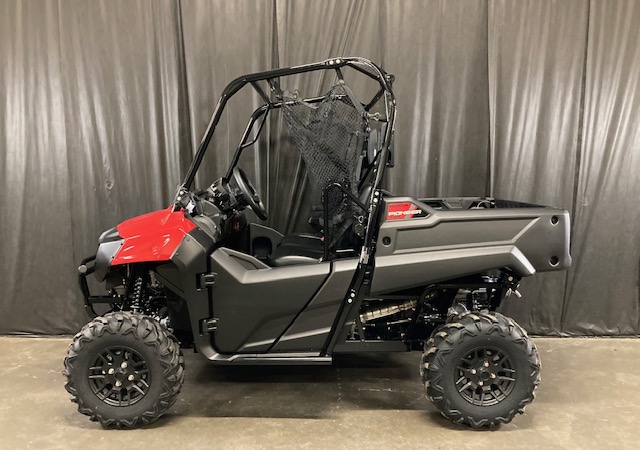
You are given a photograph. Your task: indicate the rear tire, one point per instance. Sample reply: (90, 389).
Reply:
(480, 369)
(124, 370)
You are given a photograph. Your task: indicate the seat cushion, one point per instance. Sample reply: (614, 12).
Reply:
(297, 249)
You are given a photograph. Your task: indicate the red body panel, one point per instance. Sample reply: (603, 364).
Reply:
(152, 237)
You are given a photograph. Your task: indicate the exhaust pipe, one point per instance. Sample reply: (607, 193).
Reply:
(387, 311)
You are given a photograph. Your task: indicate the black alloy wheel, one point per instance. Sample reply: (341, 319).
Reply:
(124, 370)
(485, 376)
(480, 369)
(119, 376)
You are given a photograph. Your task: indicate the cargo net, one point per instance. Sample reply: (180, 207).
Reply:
(330, 137)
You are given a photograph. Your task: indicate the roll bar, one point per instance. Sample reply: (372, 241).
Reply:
(361, 65)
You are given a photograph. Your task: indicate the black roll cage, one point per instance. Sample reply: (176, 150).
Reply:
(360, 281)
(361, 65)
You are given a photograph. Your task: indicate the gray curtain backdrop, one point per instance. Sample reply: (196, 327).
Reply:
(102, 104)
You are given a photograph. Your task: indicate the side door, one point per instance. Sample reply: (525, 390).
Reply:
(255, 304)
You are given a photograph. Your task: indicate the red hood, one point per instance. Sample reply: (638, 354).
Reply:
(152, 237)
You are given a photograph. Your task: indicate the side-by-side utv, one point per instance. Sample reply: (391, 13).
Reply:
(374, 272)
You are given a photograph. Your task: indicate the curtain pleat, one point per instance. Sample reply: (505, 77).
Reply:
(536, 60)
(602, 290)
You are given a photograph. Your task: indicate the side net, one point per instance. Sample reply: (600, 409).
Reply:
(330, 136)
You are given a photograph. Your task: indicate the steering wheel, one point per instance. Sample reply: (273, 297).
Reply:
(249, 193)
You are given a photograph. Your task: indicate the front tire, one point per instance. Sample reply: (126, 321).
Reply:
(480, 369)
(124, 370)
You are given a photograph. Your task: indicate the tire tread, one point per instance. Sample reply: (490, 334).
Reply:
(149, 332)
(451, 334)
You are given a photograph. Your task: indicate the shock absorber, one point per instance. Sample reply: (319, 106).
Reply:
(140, 278)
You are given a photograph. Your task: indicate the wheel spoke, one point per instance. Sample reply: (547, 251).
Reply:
(506, 378)
(482, 395)
(479, 396)
(465, 386)
(97, 376)
(129, 396)
(137, 388)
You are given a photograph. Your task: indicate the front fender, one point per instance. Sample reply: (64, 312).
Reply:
(152, 237)
(105, 255)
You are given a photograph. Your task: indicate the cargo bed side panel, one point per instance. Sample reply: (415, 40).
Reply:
(440, 244)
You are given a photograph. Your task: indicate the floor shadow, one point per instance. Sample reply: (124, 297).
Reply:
(369, 381)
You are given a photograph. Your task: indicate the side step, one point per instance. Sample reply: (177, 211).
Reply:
(277, 359)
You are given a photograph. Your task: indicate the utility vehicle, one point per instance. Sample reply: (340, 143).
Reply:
(378, 273)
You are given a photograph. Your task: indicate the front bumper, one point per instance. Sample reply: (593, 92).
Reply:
(87, 267)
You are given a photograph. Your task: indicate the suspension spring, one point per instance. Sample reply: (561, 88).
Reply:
(138, 290)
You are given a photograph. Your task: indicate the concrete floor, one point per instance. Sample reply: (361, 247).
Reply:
(589, 398)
